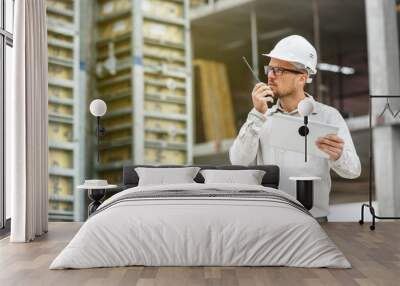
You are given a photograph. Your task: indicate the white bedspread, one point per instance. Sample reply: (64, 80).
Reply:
(200, 231)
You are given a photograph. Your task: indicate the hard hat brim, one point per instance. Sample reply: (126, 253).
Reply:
(284, 59)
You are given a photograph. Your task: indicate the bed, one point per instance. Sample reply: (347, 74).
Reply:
(201, 224)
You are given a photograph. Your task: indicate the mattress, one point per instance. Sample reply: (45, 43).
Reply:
(201, 225)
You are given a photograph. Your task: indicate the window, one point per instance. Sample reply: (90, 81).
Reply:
(9, 15)
(6, 43)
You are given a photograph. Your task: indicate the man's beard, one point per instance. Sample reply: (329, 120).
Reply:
(279, 94)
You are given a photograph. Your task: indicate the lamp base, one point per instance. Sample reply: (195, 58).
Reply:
(305, 193)
(304, 130)
(101, 131)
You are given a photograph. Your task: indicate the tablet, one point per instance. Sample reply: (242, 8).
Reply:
(284, 134)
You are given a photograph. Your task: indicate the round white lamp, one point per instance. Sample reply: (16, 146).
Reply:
(98, 108)
(306, 106)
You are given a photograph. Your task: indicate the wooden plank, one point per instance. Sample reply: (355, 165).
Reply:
(214, 106)
(226, 104)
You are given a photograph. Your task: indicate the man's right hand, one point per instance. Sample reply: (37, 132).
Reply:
(259, 96)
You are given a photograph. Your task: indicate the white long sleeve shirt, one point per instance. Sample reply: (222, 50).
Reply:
(252, 147)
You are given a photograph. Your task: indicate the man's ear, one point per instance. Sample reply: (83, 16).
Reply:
(303, 79)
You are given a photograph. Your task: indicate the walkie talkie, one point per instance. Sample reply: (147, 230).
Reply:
(269, 104)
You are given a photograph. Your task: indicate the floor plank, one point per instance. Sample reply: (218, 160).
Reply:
(374, 255)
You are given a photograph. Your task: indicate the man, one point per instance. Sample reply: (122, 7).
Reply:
(292, 61)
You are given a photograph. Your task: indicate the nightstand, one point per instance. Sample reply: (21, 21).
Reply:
(95, 193)
(305, 190)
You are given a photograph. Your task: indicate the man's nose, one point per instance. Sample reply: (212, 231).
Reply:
(271, 76)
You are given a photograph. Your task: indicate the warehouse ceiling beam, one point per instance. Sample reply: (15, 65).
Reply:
(213, 7)
(254, 40)
(317, 45)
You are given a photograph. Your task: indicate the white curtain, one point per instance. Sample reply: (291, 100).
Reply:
(26, 123)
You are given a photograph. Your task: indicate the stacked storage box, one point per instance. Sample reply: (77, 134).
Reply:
(144, 75)
(62, 91)
(199, 3)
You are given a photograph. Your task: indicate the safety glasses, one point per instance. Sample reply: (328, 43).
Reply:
(278, 71)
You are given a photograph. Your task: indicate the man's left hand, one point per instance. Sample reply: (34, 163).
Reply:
(332, 145)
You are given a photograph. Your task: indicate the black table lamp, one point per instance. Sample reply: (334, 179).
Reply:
(305, 108)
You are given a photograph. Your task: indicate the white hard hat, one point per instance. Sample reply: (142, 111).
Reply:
(296, 49)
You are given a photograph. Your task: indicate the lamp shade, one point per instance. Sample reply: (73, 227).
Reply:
(306, 107)
(98, 107)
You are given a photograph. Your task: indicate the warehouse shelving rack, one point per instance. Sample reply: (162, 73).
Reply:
(136, 72)
(63, 25)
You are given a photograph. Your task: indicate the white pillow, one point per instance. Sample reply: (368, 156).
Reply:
(248, 177)
(163, 176)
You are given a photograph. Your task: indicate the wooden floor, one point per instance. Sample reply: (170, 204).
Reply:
(374, 255)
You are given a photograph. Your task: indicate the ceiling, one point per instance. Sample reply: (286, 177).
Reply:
(230, 29)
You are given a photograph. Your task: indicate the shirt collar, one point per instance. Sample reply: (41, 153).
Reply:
(278, 108)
